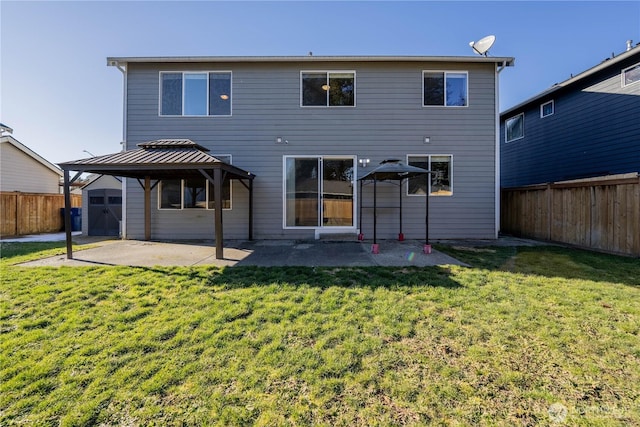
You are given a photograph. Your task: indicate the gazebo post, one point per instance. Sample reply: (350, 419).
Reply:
(217, 194)
(147, 207)
(67, 214)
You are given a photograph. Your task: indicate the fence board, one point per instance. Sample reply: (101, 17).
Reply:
(31, 213)
(598, 213)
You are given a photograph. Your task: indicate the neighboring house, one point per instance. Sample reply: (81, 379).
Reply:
(24, 170)
(102, 198)
(586, 126)
(304, 127)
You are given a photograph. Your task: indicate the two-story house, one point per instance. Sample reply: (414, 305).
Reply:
(586, 126)
(306, 128)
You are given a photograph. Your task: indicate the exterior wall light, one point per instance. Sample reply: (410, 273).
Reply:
(364, 162)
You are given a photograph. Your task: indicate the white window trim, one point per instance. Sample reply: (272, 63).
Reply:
(506, 140)
(355, 89)
(624, 71)
(183, 72)
(429, 156)
(445, 85)
(329, 229)
(553, 109)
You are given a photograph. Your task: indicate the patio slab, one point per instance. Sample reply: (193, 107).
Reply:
(250, 253)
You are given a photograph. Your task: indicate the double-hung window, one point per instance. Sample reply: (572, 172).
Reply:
(441, 178)
(195, 93)
(193, 193)
(328, 88)
(445, 88)
(514, 128)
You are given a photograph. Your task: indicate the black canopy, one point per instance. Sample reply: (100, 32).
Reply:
(394, 170)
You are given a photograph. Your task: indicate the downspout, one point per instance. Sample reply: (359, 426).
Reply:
(123, 225)
(499, 68)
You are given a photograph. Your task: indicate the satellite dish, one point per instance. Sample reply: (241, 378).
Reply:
(482, 46)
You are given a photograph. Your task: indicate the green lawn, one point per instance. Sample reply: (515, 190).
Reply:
(527, 336)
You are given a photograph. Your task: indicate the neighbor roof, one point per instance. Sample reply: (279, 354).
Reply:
(607, 63)
(29, 152)
(116, 61)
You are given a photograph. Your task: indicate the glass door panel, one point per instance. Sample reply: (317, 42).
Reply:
(337, 192)
(302, 190)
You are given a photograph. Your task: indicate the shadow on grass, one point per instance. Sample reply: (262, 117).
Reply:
(324, 277)
(9, 250)
(550, 261)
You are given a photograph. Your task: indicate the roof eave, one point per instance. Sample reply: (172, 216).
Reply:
(116, 61)
(573, 80)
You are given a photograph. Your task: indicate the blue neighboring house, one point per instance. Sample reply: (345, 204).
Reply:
(586, 126)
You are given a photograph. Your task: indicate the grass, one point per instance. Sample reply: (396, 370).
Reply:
(526, 336)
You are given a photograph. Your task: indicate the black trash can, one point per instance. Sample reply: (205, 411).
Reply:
(76, 219)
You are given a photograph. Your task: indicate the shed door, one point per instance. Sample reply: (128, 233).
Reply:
(105, 212)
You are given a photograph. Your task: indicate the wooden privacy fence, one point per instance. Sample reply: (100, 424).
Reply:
(596, 213)
(31, 213)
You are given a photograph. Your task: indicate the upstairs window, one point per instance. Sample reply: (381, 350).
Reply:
(514, 128)
(445, 88)
(328, 88)
(195, 93)
(631, 75)
(547, 109)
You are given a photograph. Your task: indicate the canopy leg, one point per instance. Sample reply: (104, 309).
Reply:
(361, 235)
(427, 247)
(375, 248)
(400, 234)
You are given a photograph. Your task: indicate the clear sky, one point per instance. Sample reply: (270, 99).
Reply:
(59, 96)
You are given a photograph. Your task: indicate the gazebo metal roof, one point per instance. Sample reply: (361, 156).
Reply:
(158, 160)
(163, 159)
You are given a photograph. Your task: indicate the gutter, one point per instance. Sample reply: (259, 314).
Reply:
(123, 69)
(114, 61)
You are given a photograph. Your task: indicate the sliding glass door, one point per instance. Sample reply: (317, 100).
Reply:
(319, 191)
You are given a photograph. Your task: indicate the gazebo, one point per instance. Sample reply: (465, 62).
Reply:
(155, 161)
(394, 170)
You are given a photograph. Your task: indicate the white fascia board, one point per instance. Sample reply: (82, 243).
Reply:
(116, 61)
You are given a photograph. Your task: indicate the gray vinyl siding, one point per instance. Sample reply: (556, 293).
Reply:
(388, 121)
(594, 131)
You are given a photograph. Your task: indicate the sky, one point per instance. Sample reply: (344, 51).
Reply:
(61, 99)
